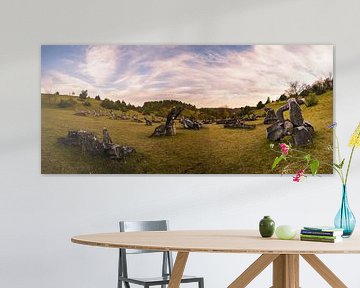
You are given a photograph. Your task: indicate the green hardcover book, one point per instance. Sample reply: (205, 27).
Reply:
(319, 236)
(324, 240)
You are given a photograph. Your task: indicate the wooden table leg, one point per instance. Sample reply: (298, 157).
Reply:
(324, 271)
(286, 271)
(253, 270)
(178, 269)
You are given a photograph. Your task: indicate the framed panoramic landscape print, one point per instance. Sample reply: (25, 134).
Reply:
(185, 109)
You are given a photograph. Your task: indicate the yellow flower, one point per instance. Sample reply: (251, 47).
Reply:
(355, 138)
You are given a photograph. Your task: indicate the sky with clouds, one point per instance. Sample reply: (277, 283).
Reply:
(203, 75)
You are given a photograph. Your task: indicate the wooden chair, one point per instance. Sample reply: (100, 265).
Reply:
(167, 263)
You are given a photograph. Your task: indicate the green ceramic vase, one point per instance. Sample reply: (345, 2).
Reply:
(267, 227)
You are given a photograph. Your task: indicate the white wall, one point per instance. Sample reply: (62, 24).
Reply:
(39, 214)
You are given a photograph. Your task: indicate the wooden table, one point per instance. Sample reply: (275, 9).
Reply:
(284, 254)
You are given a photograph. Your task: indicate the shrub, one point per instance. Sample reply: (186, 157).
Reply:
(305, 93)
(320, 91)
(87, 103)
(311, 100)
(260, 105)
(283, 97)
(108, 104)
(66, 103)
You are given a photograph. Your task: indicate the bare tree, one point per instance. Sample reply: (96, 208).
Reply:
(295, 88)
(329, 81)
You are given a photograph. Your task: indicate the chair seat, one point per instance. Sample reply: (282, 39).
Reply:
(158, 280)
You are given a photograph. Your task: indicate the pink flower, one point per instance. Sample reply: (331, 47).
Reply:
(299, 175)
(284, 148)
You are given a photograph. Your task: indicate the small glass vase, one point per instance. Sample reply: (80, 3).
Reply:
(345, 219)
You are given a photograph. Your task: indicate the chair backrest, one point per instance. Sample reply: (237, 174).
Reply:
(138, 226)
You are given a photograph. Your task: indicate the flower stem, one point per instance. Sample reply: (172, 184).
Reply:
(350, 159)
(348, 167)
(340, 171)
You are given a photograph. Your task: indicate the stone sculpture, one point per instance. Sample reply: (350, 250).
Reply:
(168, 129)
(300, 130)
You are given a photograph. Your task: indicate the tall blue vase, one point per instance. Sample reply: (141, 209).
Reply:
(345, 219)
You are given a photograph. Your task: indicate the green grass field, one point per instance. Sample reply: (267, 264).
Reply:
(212, 150)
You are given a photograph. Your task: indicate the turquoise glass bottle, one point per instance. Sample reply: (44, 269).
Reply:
(345, 219)
(266, 227)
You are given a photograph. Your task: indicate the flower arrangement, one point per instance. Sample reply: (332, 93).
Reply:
(310, 163)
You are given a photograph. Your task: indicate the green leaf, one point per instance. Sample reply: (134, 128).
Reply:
(277, 161)
(339, 166)
(307, 158)
(342, 163)
(272, 145)
(314, 167)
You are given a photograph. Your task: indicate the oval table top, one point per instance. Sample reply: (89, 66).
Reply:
(217, 241)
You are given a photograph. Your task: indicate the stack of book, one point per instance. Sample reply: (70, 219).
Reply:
(321, 234)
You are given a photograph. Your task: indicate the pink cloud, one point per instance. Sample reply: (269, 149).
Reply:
(232, 78)
(100, 63)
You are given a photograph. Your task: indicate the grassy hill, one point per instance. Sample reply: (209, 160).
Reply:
(213, 149)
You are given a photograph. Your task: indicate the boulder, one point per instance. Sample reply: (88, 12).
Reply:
(280, 112)
(191, 124)
(288, 127)
(295, 112)
(309, 126)
(148, 122)
(275, 132)
(302, 136)
(300, 130)
(270, 116)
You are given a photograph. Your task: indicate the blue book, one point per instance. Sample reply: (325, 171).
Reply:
(322, 231)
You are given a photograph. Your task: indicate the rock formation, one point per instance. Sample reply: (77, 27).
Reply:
(148, 122)
(81, 113)
(270, 117)
(90, 143)
(300, 130)
(238, 124)
(249, 117)
(191, 124)
(168, 129)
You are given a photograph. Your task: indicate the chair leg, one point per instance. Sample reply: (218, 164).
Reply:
(201, 283)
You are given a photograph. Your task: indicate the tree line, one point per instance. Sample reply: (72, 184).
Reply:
(162, 107)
